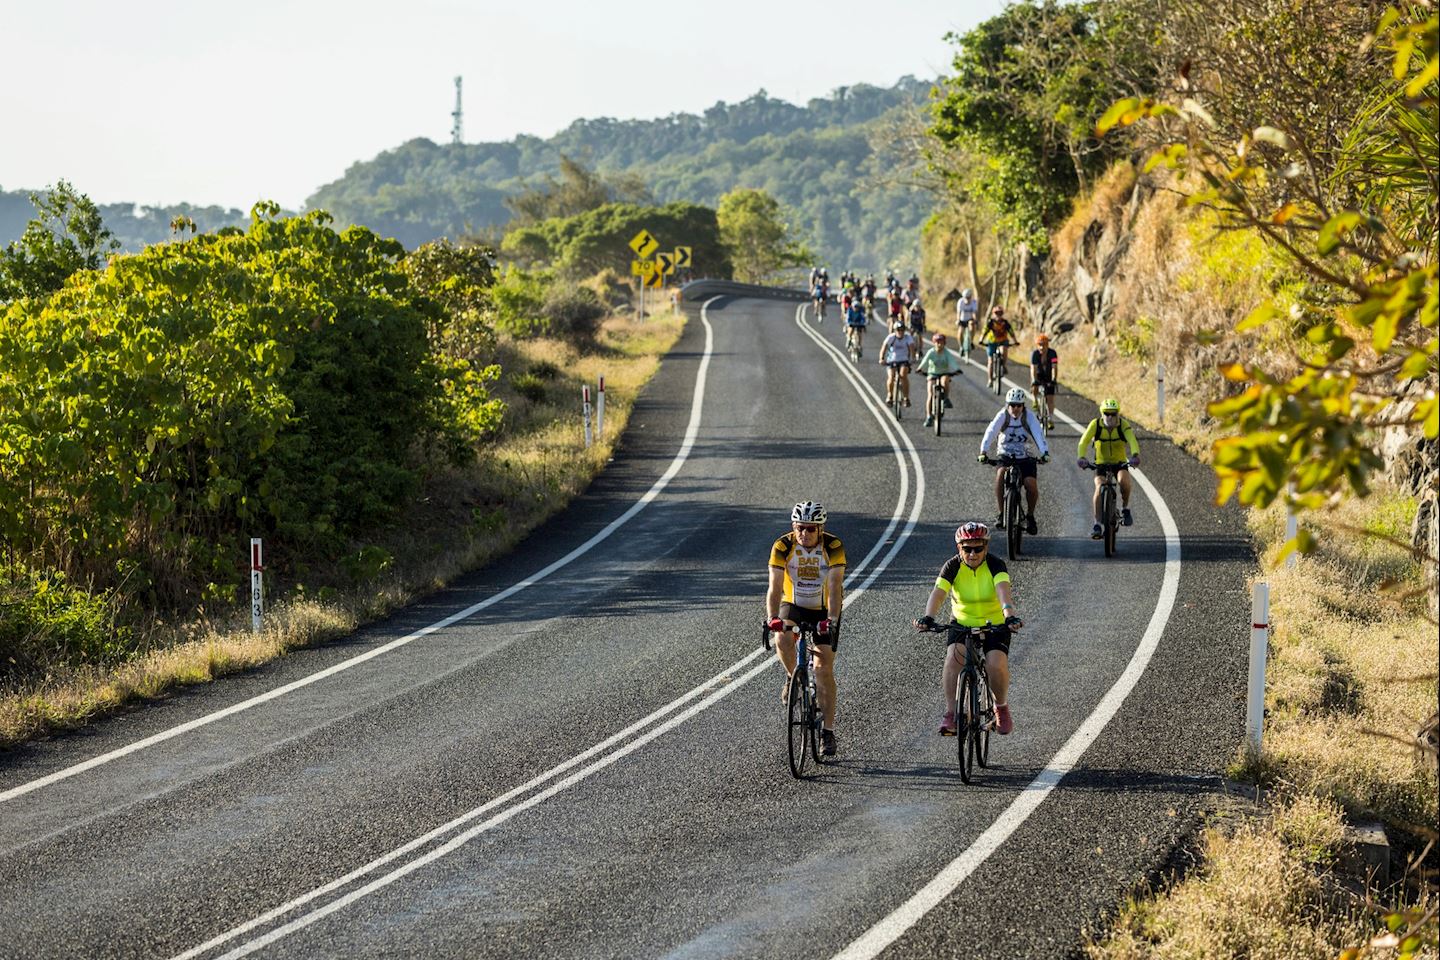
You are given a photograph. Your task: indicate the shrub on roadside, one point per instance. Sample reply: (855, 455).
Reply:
(44, 621)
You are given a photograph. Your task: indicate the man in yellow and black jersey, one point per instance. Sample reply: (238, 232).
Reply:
(807, 584)
(1115, 444)
(978, 585)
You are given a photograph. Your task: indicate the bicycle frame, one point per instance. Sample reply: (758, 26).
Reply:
(974, 700)
(803, 715)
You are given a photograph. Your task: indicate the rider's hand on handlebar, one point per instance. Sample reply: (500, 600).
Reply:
(1135, 461)
(824, 627)
(1014, 622)
(1045, 458)
(776, 625)
(982, 459)
(926, 622)
(1082, 463)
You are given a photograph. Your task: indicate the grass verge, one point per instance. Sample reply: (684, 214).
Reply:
(1351, 677)
(466, 518)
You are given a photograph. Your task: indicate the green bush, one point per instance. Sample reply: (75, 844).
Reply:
(517, 299)
(44, 621)
(573, 312)
(529, 386)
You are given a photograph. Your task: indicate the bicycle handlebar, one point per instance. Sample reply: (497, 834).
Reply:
(1003, 461)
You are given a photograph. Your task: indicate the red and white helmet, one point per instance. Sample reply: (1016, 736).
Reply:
(972, 530)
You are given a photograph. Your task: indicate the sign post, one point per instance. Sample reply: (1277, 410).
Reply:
(1160, 391)
(257, 594)
(585, 412)
(1259, 643)
(600, 410)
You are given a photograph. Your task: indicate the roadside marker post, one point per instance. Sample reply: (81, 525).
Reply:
(1160, 391)
(585, 412)
(600, 411)
(1259, 646)
(257, 593)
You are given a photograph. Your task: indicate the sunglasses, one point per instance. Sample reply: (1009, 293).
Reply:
(806, 527)
(968, 548)
(1015, 405)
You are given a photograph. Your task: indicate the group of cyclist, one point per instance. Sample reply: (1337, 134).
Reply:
(807, 565)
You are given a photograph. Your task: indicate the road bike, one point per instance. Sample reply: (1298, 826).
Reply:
(1042, 411)
(964, 339)
(935, 402)
(1109, 501)
(997, 370)
(897, 396)
(802, 707)
(1013, 510)
(819, 309)
(853, 337)
(974, 702)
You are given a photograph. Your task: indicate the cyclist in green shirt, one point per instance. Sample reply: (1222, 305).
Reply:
(1112, 435)
(939, 364)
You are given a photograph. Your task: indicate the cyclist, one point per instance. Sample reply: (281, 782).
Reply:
(913, 285)
(1112, 435)
(965, 310)
(896, 306)
(998, 336)
(939, 364)
(1044, 372)
(917, 318)
(855, 323)
(1014, 425)
(814, 276)
(898, 352)
(820, 294)
(979, 589)
(807, 584)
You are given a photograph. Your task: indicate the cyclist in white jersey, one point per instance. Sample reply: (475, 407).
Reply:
(966, 309)
(898, 353)
(1015, 427)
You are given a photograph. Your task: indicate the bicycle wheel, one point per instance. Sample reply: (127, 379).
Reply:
(1107, 518)
(964, 719)
(812, 710)
(1013, 520)
(897, 403)
(987, 717)
(798, 727)
(937, 407)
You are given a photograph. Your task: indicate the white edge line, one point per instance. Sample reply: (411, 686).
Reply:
(690, 433)
(891, 927)
(309, 918)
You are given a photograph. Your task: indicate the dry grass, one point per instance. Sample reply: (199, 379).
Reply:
(1258, 895)
(467, 518)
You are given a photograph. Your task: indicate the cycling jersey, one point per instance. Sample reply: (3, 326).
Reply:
(1110, 442)
(973, 599)
(965, 310)
(807, 571)
(917, 316)
(1013, 433)
(998, 331)
(939, 362)
(898, 348)
(1043, 363)
(855, 316)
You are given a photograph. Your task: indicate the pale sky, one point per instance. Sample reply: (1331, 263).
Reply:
(162, 101)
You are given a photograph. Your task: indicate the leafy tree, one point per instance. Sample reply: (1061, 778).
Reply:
(760, 241)
(1027, 87)
(67, 234)
(578, 190)
(584, 245)
(458, 277)
(1356, 214)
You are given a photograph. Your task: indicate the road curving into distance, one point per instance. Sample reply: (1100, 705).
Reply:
(579, 751)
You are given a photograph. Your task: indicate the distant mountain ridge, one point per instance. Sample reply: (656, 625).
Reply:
(816, 159)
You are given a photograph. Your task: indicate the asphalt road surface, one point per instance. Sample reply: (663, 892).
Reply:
(590, 762)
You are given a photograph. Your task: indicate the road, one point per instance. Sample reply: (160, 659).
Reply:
(593, 764)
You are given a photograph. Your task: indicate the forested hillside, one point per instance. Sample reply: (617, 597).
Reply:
(134, 226)
(816, 159)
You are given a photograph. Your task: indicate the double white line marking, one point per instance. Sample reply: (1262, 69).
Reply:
(584, 765)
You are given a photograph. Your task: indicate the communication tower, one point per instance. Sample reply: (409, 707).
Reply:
(456, 129)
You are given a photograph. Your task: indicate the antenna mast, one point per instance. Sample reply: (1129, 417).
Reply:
(456, 129)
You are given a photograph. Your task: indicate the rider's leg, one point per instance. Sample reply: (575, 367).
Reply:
(1000, 491)
(1125, 489)
(889, 384)
(950, 673)
(1050, 404)
(1032, 494)
(905, 383)
(785, 647)
(825, 683)
(997, 665)
(1095, 500)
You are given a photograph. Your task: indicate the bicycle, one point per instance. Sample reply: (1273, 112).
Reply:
(998, 369)
(1042, 411)
(1013, 511)
(802, 707)
(1109, 501)
(964, 338)
(853, 336)
(897, 397)
(974, 701)
(819, 309)
(935, 404)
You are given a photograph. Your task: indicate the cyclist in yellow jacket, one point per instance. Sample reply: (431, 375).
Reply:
(1115, 443)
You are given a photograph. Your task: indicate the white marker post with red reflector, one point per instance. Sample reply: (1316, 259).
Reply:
(600, 411)
(1259, 644)
(257, 593)
(585, 411)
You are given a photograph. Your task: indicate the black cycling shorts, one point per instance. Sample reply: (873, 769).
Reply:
(1047, 387)
(998, 639)
(788, 611)
(897, 364)
(1027, 468)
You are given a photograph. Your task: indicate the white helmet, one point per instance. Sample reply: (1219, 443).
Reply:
(965, 293)
(1016, 395)
(808, 511)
